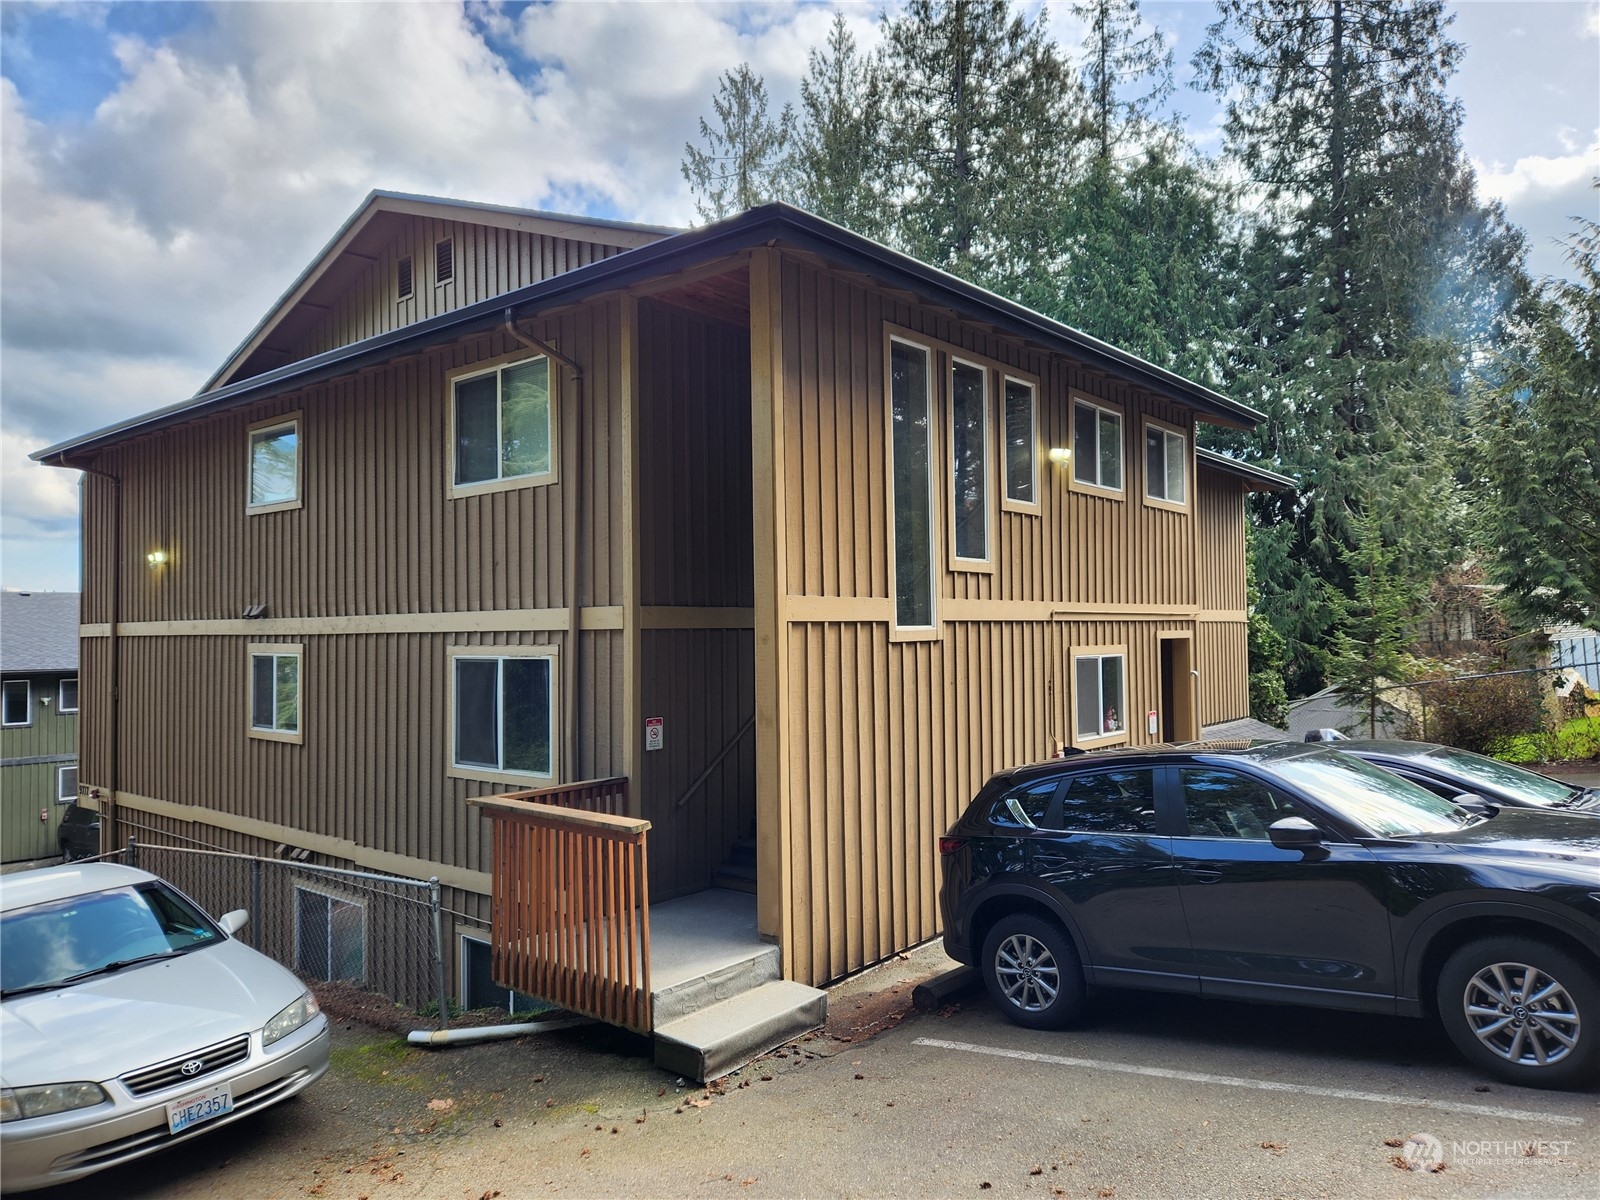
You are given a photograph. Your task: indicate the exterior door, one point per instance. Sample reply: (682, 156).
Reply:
(1177, 712)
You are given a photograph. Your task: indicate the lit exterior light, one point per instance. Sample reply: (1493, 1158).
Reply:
(156, 559)
(1060, 455)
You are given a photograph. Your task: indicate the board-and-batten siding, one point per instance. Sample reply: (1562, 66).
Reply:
(1220, 650)
(888, 740)
(489, 261)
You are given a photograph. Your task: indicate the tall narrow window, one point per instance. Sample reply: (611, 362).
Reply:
(1165, 462)
(275, 691)
(405, 279)
(1099, 695)
(1096, 446)
(969, 452)
(274, 465)
(68, 699)
(1022, 455)
(912, 482)
(444, 260)
(504, 715)
(17, 708)
(503, 424)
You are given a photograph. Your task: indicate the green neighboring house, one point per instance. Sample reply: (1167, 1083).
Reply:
(39, 736)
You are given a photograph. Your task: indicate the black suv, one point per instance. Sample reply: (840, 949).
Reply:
(1287, 872)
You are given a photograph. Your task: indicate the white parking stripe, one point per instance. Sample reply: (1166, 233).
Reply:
(1263, 1085)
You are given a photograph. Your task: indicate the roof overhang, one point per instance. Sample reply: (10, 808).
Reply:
(768, 225)
(1256, 479)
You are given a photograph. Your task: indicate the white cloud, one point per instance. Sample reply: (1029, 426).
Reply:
(1539, 173)
(39, 501)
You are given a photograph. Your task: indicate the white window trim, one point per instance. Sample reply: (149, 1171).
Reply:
(285, 421)
(984, 565)
(1007, 503)
(456, 490)
(62, 796)
(931, 631)
(1182, 435)
(61, 695)
(27, 703)
(277, 649)
(1098, 652)
(343, 898)
(455, 770)
(1112, 410)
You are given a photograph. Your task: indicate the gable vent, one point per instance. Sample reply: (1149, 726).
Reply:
(403, 280)
(444, 261)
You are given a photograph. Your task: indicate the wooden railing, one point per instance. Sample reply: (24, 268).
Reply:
(571, 911)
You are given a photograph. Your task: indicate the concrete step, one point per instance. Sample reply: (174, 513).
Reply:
(709, 1043)
(736, 877)
(700, 982)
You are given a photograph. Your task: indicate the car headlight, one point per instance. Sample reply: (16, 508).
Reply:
(290, 1019)
(18, 1104)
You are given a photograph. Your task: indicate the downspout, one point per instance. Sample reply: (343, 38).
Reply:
(108, 819)
(573, 477)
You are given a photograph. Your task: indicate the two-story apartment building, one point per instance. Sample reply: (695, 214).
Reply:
(798, 536)
(39, 736)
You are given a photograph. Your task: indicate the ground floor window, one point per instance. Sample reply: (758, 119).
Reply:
(67, 784)
(330, 936)
(1100, 695)
(478, 988)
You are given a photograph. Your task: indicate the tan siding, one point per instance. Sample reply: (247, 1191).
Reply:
(1224, 676)
(1220, 541)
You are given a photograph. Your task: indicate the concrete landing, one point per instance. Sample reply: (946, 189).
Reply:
(709, 1043)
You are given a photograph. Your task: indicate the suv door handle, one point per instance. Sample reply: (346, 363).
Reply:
(1202, 874)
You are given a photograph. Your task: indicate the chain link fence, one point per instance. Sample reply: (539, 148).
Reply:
(370, 932)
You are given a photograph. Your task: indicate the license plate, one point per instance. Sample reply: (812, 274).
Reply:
(196, 1107)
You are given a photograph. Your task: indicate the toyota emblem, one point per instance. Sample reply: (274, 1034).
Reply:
(193, 1067)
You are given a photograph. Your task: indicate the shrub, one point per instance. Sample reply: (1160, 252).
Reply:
(1488, 710)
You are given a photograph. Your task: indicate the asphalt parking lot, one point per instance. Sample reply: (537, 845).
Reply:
(1155, 1097)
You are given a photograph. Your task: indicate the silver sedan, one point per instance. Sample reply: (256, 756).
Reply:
(131, 1021)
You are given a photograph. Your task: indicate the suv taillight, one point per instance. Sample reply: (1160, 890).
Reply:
(949, 845)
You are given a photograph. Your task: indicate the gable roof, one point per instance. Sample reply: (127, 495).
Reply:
(769, 224)
(38, 632)
(373, 222)
(1256, 478)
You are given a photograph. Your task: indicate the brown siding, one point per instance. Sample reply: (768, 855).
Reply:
(1224, 679)
(1220, 538)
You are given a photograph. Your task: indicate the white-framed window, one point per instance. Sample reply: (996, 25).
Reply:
(67, 784)
(17, 702)
(502, 427)
(67, 697)
(1021, 401)
(478, 988)
(274, 691)
(503, 713)
(405, 279)
(1100, 694)
(969, 466)
(273, 467)
(330, 936)
(1096, 446)
(912, 525)
(1166, 466)
(444, 261)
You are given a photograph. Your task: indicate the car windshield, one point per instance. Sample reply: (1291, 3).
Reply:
(1536, 789)
(1383, 804)
(63, 940)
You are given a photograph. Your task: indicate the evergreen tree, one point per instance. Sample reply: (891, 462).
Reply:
(745, 159)
(1370, 648)
(983, 126)
(1540, 454)
(839, 149)
(1119, 54)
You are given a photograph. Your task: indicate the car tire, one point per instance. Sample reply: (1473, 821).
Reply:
(1033, 972)
(1481, 996)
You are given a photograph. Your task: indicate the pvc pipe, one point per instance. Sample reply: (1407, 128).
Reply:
(487, 1033)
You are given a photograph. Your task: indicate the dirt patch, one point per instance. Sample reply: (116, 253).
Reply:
(346, 1002)
(856, 1018)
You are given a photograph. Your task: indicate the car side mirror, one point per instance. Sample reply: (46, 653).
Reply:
(234, 921)
(1474, 804)
(1294, 833)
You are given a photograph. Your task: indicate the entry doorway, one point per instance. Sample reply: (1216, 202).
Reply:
(1177, 710)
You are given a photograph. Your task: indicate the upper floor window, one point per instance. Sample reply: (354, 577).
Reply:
(275, 465)
(1166, 465)
(18, 697)
(1096, 446)
(969, 452)
(1099, 692)
(1022, 455)
(911, 483)
(275, 691)
(405, 283)
(67, 700)
(503, 712)
(504, 426)
(444, 260)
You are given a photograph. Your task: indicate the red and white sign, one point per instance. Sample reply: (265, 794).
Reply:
(1151, 719)
(655, 733)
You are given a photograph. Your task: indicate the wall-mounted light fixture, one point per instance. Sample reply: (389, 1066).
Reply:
(156, 559)
(1060, 455)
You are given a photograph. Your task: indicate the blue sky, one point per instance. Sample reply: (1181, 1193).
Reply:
(169, 168)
